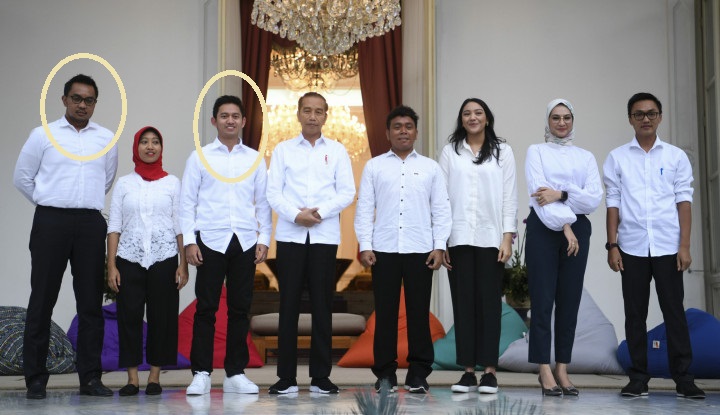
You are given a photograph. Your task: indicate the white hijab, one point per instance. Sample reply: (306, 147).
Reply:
(549, 137)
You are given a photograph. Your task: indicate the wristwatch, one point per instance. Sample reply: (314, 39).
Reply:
(611, 245)
(564, 196)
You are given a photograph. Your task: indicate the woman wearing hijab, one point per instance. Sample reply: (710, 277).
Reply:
(144, 241)
(479, 169)
(564, 186)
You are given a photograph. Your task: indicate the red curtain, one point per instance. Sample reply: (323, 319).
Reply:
(380, 62)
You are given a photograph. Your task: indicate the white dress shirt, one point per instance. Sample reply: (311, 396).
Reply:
(567, 168)
(403, 205)
(306, 176)
(483, 196)
(48, 178)
(646, 188)
(218, 209)
(145, 214)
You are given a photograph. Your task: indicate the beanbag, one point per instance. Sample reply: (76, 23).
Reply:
(61, 356)
(512, 327)
(111, 343)
(361, 353)
(185, 331)
(704, 340)
(593, 350)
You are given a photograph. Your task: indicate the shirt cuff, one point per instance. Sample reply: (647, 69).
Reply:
(440, 244)
(365, 246)
(189, 239)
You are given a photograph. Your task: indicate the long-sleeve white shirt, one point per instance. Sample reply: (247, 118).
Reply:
(403, 205)
(646, 188)
(218, 209)
(46, 177)
(306, 176)
(483, 196)
(567, 168)
(145, 214)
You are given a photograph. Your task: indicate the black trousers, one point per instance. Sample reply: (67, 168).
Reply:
(299, 264)
(390, 272)
(554, 279)
(476, 291)
(236, 268)
(636, 296)
(59, 235)
(156, 288)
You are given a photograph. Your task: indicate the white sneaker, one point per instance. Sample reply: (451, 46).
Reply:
(200, 384)
(239, 384)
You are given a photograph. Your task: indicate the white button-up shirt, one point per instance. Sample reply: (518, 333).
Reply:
(46, 177)
(218, 209)
(306, 176)
(483, 196)
(567, 168)
(646, 188)
(403, 205)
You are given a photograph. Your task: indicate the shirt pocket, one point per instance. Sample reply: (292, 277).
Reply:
(419, 182)
(666, 182)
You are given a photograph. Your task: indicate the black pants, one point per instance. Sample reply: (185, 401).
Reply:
(237, 269)
(156, 288)
(476, 291)
(636, 295)
(554, 279)
(59, 235)
(390, 272)
(313, 264)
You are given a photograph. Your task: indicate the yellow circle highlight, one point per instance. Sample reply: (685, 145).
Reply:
(263, 139)
(43, 98)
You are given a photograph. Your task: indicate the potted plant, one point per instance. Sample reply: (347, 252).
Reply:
(515, 278)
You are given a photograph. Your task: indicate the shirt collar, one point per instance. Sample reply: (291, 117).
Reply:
(302, 141)
(390, 153)
(64, 123)
(217, 144)
(658, 143)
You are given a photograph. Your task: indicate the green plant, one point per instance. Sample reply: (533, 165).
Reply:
(515, 277)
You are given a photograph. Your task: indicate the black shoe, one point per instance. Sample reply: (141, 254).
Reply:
(323, 385)
(389, 382)
(554, 391)
(128, 390)
(467, 381)
(635, 388)
(153, 388)
(283, 386)
(688, 390)
(417, 385)
(36, 391)
(95, 388)
(488, 383)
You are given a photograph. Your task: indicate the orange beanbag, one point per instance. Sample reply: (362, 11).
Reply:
(361, 353)
(185, 331)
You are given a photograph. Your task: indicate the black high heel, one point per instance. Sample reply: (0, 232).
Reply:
(569, 391)
(554, 391)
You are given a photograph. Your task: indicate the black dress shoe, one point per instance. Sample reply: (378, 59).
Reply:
(153, 388)
(570, 391)
(128, 390)
(36, 391)
(554, 391)
(95, 388)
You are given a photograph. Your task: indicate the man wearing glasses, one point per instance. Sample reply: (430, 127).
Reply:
(649, 192)
(68, 195)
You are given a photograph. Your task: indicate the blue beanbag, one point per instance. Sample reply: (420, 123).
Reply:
(705, 341)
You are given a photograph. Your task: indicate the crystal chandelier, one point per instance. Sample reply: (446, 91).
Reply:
(326, 27)
(340, 126)
(301, 70)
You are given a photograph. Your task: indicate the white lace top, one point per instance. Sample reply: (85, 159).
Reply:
(146, 216)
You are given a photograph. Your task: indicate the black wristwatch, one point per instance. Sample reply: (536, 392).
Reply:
(564, 196)
(611, 245)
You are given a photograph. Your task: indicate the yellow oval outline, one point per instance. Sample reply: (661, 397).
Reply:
(43, 98)
(196, 133)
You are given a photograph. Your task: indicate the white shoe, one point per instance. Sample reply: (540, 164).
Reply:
(239, 384)
(200, 384)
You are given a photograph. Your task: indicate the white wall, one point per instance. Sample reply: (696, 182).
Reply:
(519, 55)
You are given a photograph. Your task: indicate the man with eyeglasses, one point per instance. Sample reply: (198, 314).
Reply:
(649, 192)
(67, 225)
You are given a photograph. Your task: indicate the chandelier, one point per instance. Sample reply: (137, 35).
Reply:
(340, 126)
(326, 27)
(301, 70)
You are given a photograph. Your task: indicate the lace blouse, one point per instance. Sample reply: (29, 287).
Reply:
(146, 214)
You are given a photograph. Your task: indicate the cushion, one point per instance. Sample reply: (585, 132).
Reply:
(512, 327)
(593, 350)
(704, 339)
(110, 356)
(361, 353)
(343, 324)
(61, 355)
(185, 331)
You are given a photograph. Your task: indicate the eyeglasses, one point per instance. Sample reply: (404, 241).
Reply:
(89, 101)
(640, 115)
(556, 119)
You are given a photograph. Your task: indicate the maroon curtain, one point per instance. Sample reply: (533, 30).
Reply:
(380, 62)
